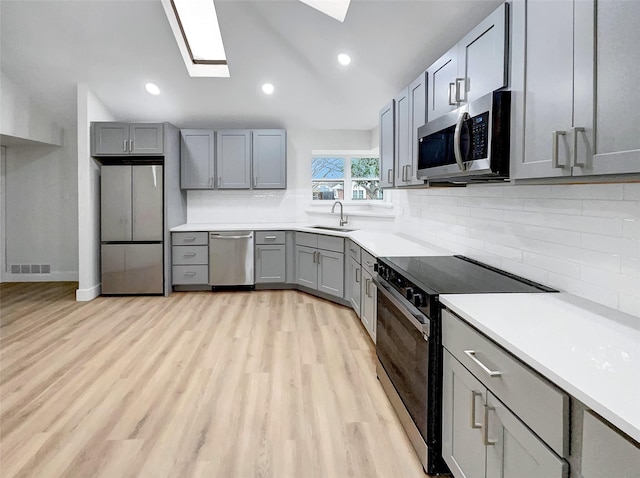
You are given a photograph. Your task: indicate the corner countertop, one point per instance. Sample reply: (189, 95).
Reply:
(377, 243)
(589, 350)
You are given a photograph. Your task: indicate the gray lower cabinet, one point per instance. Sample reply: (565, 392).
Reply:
(271, 257)
(353, 289)
(124, 139)
(190, 258)
(481, 434)
(607, 453)
(369, 295)
(320, 263)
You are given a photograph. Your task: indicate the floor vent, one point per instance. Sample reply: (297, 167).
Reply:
(31, 268)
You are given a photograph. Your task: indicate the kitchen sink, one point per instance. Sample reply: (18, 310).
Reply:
(332, 228)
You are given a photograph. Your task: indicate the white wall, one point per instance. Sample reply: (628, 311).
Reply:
(21, 118)
(275, 205)
(88, 225)
(583, 239)
(41, 210)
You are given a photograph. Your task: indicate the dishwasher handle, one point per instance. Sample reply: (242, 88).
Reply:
(214, 235)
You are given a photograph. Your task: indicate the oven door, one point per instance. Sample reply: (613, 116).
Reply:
(402, 346)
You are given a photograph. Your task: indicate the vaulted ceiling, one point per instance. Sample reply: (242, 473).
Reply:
(116, 46)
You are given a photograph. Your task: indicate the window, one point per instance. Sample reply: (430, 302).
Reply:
(345, 177)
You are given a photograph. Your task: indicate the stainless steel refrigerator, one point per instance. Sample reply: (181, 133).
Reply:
(131, 199)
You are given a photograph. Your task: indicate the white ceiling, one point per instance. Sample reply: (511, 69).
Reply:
(115, 46)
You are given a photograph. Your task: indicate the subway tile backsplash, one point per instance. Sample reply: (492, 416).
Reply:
(582, 238)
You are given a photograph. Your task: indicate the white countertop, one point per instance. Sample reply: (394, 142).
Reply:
(378, 243)
(590, 351)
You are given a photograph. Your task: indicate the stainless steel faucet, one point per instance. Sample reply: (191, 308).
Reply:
(343, 219)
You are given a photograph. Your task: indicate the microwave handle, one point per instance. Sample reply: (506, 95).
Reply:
(457, 137)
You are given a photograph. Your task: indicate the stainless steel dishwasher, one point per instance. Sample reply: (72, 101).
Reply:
(231, 258)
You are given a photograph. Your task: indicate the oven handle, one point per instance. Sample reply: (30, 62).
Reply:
(396, 299)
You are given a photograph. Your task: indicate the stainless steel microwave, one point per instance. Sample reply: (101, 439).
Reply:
(469, 144)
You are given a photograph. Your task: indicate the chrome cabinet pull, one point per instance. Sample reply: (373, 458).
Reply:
(131, 146)
(555, 135)
(366, 287)
(472, 355)
(574, 153)
(452, 94)
(459, 97)
(270, 237)
(189, 273)
(409, 172)
(124, 146)
(219, 181)
(487, 442)
(255, 182)
(189, 254)
(473, 409)
(189, 239)
(390, 176)
(357, 277)
(369, 264)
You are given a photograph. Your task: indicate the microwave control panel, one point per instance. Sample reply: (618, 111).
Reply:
(479, 129)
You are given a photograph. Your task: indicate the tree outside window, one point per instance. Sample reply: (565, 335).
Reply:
(331, 180)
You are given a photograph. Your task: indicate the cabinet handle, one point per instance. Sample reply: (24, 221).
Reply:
(124, 146)
(314, 257)
(554, 149)
(487, 442)
(366, 287)
(459, 97)
(390, 176)
(189, 273)
(131, 146)
(472, 355)
(318, 256)
(408, 172)
(452, 94)
(473, 409)
(270, 237)
(219, 181)
(368, 264)
(574, 153)
(255, 182)
(189, 238)
(357, 277)
(189, 254)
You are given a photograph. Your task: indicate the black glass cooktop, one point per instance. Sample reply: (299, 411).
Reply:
(459, 275)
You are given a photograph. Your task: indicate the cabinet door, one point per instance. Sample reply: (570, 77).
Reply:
(606, 453)
(463, 402)
(482, 57)
(270, 263)
(147, 205)
(331, 273)
(441, 96)
(233, 159)
(354, 278)
(387, 145)
(543, 88)
(269, 159)
(514, 450)
(110, 139)
(369, 298)
(417, 117)
(146, 139)
(115, 203)
(402, 135)
(197, 159)
(616, 148)
(307, 266)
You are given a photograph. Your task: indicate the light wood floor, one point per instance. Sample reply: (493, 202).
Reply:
(234, 384)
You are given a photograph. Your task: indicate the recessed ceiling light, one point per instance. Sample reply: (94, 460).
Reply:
(268, 88)
(152, 88)
(344, 59)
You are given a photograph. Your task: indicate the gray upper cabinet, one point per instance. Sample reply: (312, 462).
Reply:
(124, 139)
(197, 159)
(401, 145)
(474, 67)
(387, 145)
(269, 158)
(233, 159)
(443, 81)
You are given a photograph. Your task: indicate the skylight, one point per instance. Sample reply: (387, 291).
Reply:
(195, 26)
(334, 8)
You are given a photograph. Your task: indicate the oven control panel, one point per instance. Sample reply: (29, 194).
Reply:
(412, 293)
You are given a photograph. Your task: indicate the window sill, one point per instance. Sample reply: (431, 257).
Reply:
(376, 209)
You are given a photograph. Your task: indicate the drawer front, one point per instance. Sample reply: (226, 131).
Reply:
(331, 243)
(190, 275)
(306, 239)
(368, 261)
(536, 401)
(189, 238)
(190, 255)
(354, 250)
(270, 237)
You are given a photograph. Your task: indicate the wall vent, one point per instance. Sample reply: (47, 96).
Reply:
(45, 268)
(25, 269)
(35, 268)
(15, 269)
(31, 268)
